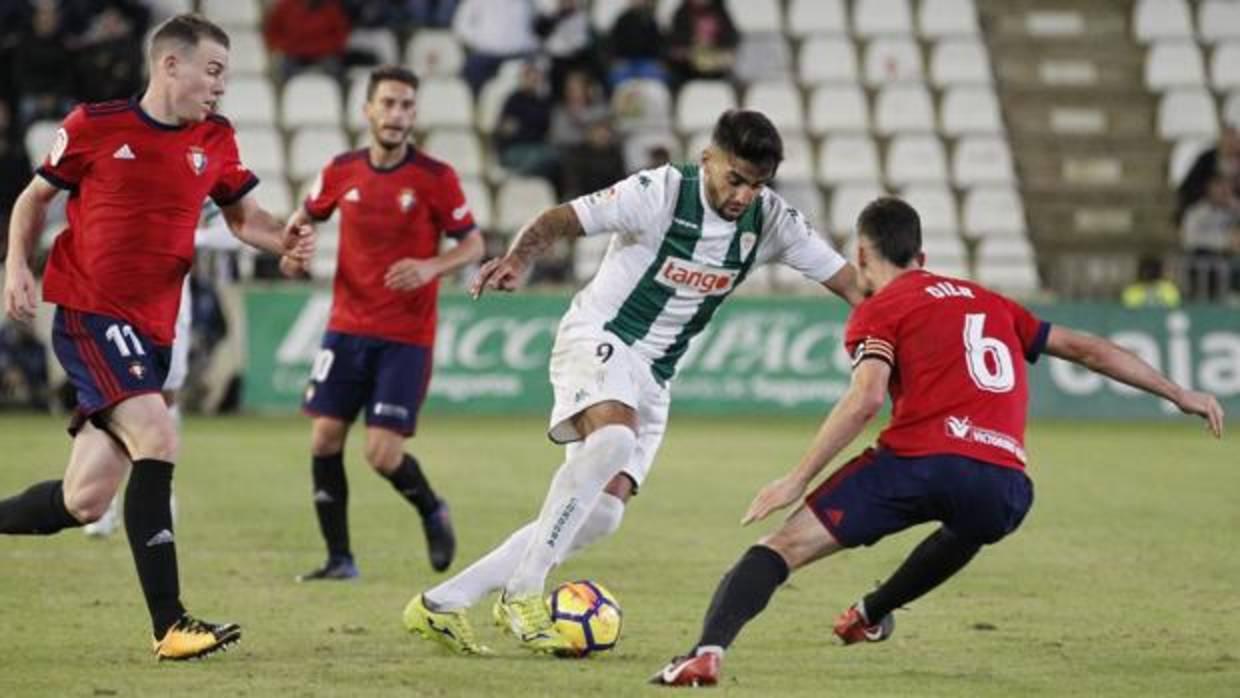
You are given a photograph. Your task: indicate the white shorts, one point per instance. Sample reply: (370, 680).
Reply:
(590, 365)
(178, 367)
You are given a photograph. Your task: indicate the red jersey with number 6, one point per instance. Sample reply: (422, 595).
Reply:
(957, 350)
(387, 215)
(136, 188)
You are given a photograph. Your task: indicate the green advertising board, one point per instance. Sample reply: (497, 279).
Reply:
(759, 355)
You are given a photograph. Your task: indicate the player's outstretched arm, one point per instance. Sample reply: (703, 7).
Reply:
(1113, 361)
(411, 273)
(256, 227)
(844, 285)
(25, 224)
(506, 273)
(290, 267)
(848, 418)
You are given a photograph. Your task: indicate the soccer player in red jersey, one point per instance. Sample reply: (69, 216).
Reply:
(949, 352)
(395, 204)
(137, 173)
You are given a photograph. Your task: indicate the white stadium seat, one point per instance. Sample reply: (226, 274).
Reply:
(763, 56)
(604, 13)
(495, 92)
(701, 102)
(642, 105)
(846, 204)
(1183, 155)
(1219, 20)
(519, 200)
(696, 143)
(637, 148)
(273, 195)
(250, 101)
(960, 62)
(903, 108)
(1187, 112)
(805, 197)
(971, 110)
(848, 159)
(478, 196)
(355, 101)
(310, 99)
(982, 160)
(893, 59)
(827, 59)
(1007, 265)
(936, 207)
(916, 159)
(380, 43)
(1161, 19)
(167, 8)
(940, 18)
(313, 147)
(877, 17)
(38, 141)
(1225, 65)
(946, 256)
(993, 212)
(261, 150)
(445, 101)
(1174, 64)
(780, 101)
(232, 13)
(1231, 109)
(756, 15)
(435, 52)
(798, 164)
(809, 17)
(457, 147)
(838, 108)
(247, 53)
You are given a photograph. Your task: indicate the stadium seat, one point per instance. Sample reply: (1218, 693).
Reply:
(893, 59)
(380, 43)
(838, 108)
(38, 140)
(805, 197)
(313, 147)
(247, 53)
(588, 253)
(780, 101)
(642, 105)
(604, 13)
(764, 56)
(701, 102)
(827, 59)
(665, 10)
(971, 110)
(261, 150)
(1007, 265)
(493, 94)
(1218, 20)
(809, 17)
(355, 101)
(916, 159)
(960, 62)
(1187, 112)
(519, 200)
(1161, 19)
(937, 208)
(1174, 64)
(878, 17)
(846, 204)
(1231, 109)
(435, 52)
(1225, 65)
(637, 148)
(478, 196)
(323, 265)
(232, 13)
(310, 99)
(695, 143)
(848, 159)
(993, 212)
(798, 164)
(946, 255)
(982, 160)
(903, 108)
(250, 101)
(273, 195)
(167, 8)
(457, 147)
(1183, 155)
(942, 18)
(445, 102)
(753, 16)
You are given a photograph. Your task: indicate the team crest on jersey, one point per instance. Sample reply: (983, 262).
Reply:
(748, 240)
(58, 147)
(406, 200)
(137, 370)
(197, 159)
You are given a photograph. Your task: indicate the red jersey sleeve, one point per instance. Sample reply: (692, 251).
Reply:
(449, 208)
(235, 179)
(69, 159)
(324, 193)
(1032, 331)
(870, 335)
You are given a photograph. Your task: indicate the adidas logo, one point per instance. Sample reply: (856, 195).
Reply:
(353, 195)
(162, 538)
(322, 497)
(124, 153)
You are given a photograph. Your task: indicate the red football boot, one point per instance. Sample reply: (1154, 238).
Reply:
(852, 627)
(699, 670)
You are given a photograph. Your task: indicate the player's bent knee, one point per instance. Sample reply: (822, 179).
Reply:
(327, 437)
(613, 443)
(87, 506)
(384, 453)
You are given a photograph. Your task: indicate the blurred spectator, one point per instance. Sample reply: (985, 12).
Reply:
(521, 135)
(23, 367)
(637, 44)
(1221, 160)
(581, 108)
(14, 167)
(400, 14)
(42, 77)
(432, 13)
(657, 156)
(110, 60)
(569, 41)
(492, 32)
(306, 33)
(1152, 289)
(595, 163)
(703, 41)
(1210, 234)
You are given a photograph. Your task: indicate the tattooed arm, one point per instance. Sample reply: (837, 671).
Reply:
(506, 273)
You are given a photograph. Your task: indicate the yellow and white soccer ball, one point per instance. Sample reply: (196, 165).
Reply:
(587, 614)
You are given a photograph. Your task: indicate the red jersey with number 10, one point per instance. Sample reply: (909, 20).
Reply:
(387, 215)
(957, 350)
(136, 188)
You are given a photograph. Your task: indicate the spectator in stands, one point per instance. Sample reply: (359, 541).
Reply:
(23, 367)
(521, 136)
(1221, 160)
(596, 163)
(305, 33)
(703, 41)
(569, 41)
(14, 166)
(1210, 234)
(492, 32)
(657, 156)
(432, 13)
(1152, 289)
(110, 60)
(637, 44)
(40, 72)
(581, 107)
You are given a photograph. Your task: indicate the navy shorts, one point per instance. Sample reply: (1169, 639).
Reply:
(878, 493)
(107, 360)
(388, 378)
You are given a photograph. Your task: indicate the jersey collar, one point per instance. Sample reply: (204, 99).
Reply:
(136, 105)
(410, 154)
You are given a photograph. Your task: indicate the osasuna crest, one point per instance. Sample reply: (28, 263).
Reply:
(137, 370)
(406, 200)
(748, 240)
(197, 159)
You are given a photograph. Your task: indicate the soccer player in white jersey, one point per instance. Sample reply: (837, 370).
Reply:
(683, 237)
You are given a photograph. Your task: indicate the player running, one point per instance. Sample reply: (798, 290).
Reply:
(137, 172)
(395, 204)
(949, 353)
(685, 237)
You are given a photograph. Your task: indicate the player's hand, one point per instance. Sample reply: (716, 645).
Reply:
(292, 268)
(1203, 405)
(298, 242)
(501, 273)
(20, 297)
(410, 274)
(775, 496)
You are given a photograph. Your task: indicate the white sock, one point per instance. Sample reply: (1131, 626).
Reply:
(574, 492)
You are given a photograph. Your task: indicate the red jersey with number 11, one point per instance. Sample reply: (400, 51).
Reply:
(957, 350)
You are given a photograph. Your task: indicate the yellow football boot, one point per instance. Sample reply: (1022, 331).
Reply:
(191, 638)
(527, 619)
(450, 629)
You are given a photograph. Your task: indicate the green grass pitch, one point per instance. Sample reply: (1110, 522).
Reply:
(1123, 581)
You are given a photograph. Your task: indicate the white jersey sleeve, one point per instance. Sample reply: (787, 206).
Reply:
(634, 206)
(797, 243)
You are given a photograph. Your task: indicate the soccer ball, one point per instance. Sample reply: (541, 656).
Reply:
(587, 614)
